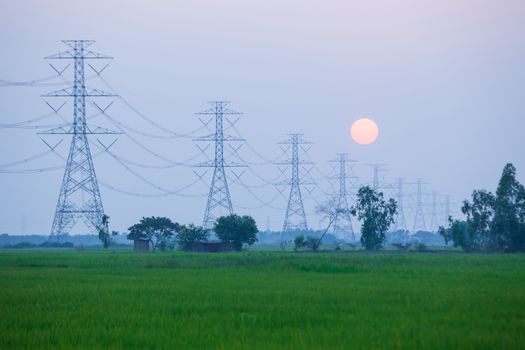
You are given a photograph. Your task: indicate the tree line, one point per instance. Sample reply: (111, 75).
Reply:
(494, 222)
(164, 234)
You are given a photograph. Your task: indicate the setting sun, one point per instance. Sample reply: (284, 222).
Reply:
(364, 131)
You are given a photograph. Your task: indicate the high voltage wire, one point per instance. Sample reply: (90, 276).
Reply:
(40, 82)
(147, 149)
(262, 201)
(140, 114)
(158, 187)
(4, 82)
(26, 160)
(25, 171)
(142, 133)
(150, 166)
(266, 160)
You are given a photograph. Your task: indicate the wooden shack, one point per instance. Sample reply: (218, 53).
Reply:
(211, 247)
(140, 246)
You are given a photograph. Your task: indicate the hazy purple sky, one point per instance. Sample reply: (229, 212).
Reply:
(445, 81)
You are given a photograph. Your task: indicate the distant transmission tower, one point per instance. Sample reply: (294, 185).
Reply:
(447, 209)
(400, 220)
(79, 195)
(433, 218)
(343, 220)
(219, 200)
(295, 218)
(419, 218)
(378, 168)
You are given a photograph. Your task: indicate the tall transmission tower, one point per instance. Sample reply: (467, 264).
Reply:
(400, 220)
(447, 208)
(433, 218)
(378, 168)
(419, 218)
(343, 220)
(79, 195)
(295, 217)
(219, 200)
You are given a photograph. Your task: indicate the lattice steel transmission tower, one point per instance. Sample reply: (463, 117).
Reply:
(219, 200)
(447, 209)
(343, 220)
(419, 218)
(400, 219)
(79, 195)
(433, 219)
(378, 168)
(295, 217)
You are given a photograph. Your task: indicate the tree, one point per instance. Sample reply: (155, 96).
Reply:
(103, 232)
(188, 235)
(457, 233)
(330, 211)
(474, 233)
(508, 224)
(492, 222)
(156, 230)
(377, 216)
(237, 230)
(299, 242)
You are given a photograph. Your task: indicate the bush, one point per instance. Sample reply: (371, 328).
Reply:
(189, 235)
(421, 247)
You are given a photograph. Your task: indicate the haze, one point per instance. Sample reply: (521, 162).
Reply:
(444, 80)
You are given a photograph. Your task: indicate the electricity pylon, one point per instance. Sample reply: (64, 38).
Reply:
(79, 195)
(343, 220)
(419, 218)
(400, 219)
(295, 217)
(433, 218)
(447, 209)
(219, 200)
(378, 168)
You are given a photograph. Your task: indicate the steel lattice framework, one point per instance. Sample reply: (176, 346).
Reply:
(219, 200)
(419, 218)
(295, 217)
(343, 220)
(400, 223)
(433, 219)
(79, 196)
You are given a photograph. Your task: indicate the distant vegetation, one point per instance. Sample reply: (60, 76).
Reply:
(236, 230)
(494, 222)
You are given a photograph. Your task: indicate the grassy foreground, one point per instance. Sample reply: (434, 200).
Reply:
(261, 300)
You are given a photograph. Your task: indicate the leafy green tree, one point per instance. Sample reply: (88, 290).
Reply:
(508, 224)
(492, 222)
(312, 242)
(188, 235)
(156, 230)
(474, 233)
(299, 242)
(479, 213)
(376, 214)
(458, 233)
(237, 230)
(103, 232)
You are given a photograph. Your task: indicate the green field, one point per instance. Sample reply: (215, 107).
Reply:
(261, 300)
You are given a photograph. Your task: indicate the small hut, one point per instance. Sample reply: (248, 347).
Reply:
(140, 246)
(214, 246)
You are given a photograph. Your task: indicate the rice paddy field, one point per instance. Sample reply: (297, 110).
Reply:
(261, 300)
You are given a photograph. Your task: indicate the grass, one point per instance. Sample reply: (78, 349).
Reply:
(261, 300)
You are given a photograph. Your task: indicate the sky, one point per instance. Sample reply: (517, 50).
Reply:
(444, 80)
